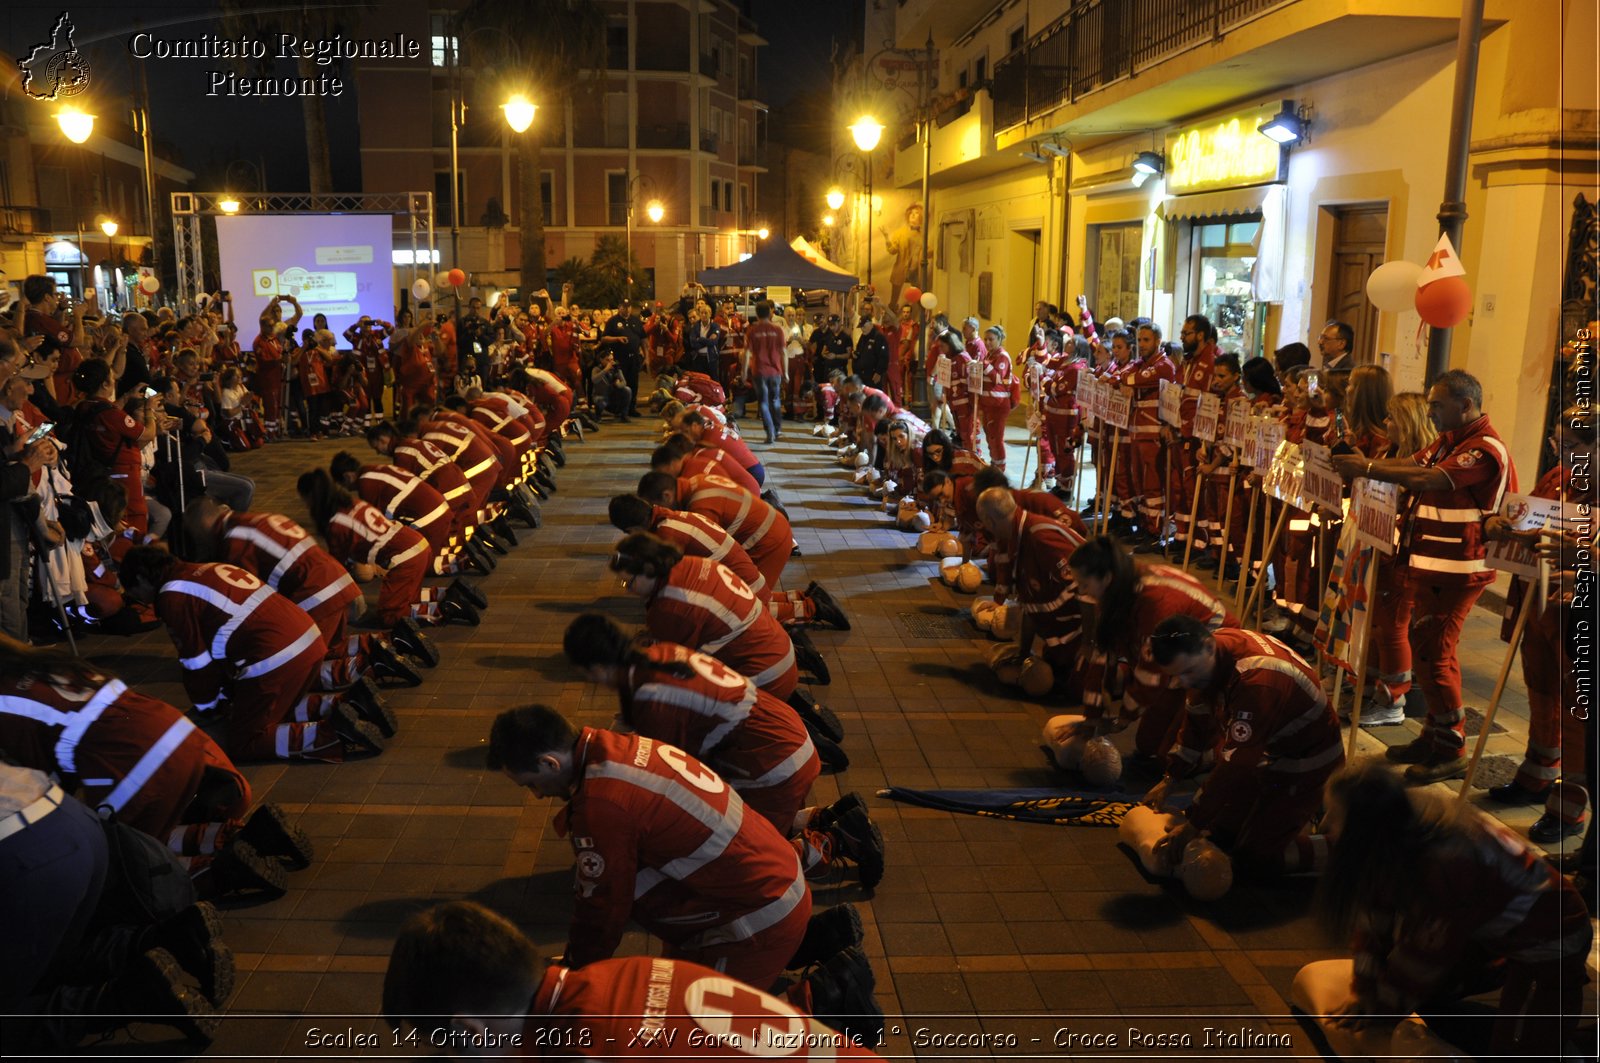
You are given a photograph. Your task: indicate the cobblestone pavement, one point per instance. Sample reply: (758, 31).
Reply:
(979, 925)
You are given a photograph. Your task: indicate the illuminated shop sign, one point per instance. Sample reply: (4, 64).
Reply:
(1223, 153)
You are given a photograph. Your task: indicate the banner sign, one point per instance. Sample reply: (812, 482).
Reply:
(1374, 508)
(941, 372)
(1237, 433)
(1207, 415)
(1266, 433)
(1344, 604)
(1119, 408)
(1525, 513)
(1284, 475)
(1171, 402)
(1322, 487)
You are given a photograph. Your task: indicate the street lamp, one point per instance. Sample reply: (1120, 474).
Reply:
(655, 211)
(519, 111)
(834, 198)
(866, 132)
(762, 233)
(639, 184)
(75, 124)
(108, 227)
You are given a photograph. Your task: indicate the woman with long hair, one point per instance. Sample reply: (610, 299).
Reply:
(752, 739)
(1439, 902)
(359, 534)
(940, 452)
(1129, 600)
(1366, 408)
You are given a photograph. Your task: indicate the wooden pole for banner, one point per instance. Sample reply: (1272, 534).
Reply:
(1194, 514)
(1077, 469)
(1529, 598)
(1361, 646)
(1104, 524)
(1249, 541)
(1227, 525)
(1102, 481)
(1256, 593)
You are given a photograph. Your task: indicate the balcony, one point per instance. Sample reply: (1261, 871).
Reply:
(963, 140)
(1143, 63)
(664, 137)
(945, 20)
(24, 221)
(753, 155)
(709, 141)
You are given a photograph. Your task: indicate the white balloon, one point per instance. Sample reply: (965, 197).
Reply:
(929, 301)
(421, 289)
(1393, 286)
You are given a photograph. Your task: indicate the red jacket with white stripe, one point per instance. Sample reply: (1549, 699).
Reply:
(997, 375)
(507, 407)
(1041, 504)
(662, 839)
(1441, 532)
(288, 559)
(638, 1005)
(1197, 371)
(476, 459)
(1162, 591)
(1278, 732)
(699, 536)
(403, 496)
(717, 437)
(702, 604)
(503, 449)
(421, 458)
(719, 462)
(1144, 377)
(1061, 384)
(228, 625)
(1037, 572)
(363, 535)
(749, 737)
(497, 418)
(749, 519)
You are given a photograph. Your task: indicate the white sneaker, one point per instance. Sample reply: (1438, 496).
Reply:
(1376, 714)
(1276, 623)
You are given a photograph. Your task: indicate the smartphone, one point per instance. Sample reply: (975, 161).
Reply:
(1311, 383)
(40, 432)
(226, 296)
(150, 393)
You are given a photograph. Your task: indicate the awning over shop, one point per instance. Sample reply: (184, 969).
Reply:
(1269, 201)
(1218, 204)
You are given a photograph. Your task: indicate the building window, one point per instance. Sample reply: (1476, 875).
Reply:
(547, 194)
(745, 87)
(441, 195)
(617, 46)
(962, 79)
(980, 70)
(1224, 256)
(616, 197)
(443, 41)
(727, 196)
(727, 126)
(1016, 38)
(744, 200)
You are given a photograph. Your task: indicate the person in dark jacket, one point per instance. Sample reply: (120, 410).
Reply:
(872, 354)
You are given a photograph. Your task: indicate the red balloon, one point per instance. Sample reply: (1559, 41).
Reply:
(457, 278)
(1446, 302)
(912, 295)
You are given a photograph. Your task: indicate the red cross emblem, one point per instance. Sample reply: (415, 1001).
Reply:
(1436, 259)
(730, 1009)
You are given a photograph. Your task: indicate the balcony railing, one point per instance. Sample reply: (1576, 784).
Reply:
(26, 221)
(1100, 42)
(708, 141)
(753, 156)
(665, 137)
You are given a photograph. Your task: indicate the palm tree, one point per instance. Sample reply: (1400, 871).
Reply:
(542, 48)
(616, 272)
(308, 22)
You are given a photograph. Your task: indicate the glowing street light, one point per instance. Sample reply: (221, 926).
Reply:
(228, 205)
(519, 112)
(834, 198)
(109, 227)
(867, 131)
(827, 219)
(655, 211)
(75, 124)
(762, 233)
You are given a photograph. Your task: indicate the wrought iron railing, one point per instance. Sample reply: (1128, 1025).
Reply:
(1100, 42)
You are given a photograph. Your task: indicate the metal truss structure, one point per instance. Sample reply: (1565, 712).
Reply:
(189, 207)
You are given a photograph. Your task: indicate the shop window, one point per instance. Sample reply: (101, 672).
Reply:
(1116, 271)
(1224, 257)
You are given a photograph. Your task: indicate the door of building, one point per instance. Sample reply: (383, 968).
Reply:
(1359, 234)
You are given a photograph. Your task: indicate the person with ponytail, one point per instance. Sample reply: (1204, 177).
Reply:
(1129, 600)
(700, 603)
(1440, 902)
(753, 740)
(359, 534)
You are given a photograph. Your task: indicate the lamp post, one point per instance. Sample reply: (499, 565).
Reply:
(519, 113)
(639, 184)
(851, 169)
(109, 227)
(867, 131)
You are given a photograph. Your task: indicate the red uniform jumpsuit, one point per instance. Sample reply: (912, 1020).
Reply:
(703, 605)
(1146, 471)
(478, 461)
(1279, 745)
(1484, 896)
(248, 650)
(758, 527)
(1215, 496)
(750, 738)
(1061, 420)
(994, 403)
(494, 412)
(267, 381)
(706, 462)
(315, 387)
(662, 840)
(901, 387)
(565, 354)
(1196, 373)
(1147, 692)
(698, 388)
(1442, 549)
(424, 460)
(526, 410)
(415, 379)
(289, 559)
(961, 400)
(1038, 576)
(699, 536)
(552, 395)
(368, 347)
(717, 437)
(138, 758)
(1551, 676)
(362, 534)
(408, 499)
(116, 443)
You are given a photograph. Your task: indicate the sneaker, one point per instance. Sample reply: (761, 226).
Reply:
(269, 831)
(389, 663)
(461, 590)
(1437, 769)
(1276, 623)
(485, 535)
(1414, 752)
(504, 531)
(827, 609)
(1549, 829)
(829, 932)
(409, 636)
(842, 995)
(239, 868)
(152, 988)
(194, 938)
(819, 719)
(456, 609)
(860, 840)
(360, 738)
(479, 555)
(1377, 714)
(368, 702)
(527, 514)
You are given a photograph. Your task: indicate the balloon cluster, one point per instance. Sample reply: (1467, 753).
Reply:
(1438, 291)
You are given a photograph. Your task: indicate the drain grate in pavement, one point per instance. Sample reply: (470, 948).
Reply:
(1492, 771)
(1473, 723)
(937, 626)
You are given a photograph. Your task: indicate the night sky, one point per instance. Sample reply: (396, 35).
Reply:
(207, 133)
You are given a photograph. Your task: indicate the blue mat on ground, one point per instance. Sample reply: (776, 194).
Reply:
(1033, 804)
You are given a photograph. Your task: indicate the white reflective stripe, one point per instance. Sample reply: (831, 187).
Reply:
(441, 510)
(1440, 564)
(347, 519)
(422, 459)
(327, 593)
(1441, 538)
(457, 491)
(1450, 516)
(735, 623)
(1189, 588)
(763, 918)
(744, 498)
(287, 561)
(149, 764)
(766, 526)
(680, 794)
(446, 441)
(272, 548)
(722, 834)
(402, 488)
(283, 656)
(714, 550)
(1058, 602)
(1277, 665)
(784, 771)
(197, 662)
(405, 555)
(481, 467)
(767, 675)
(730, 714)
(72, 724)
(219, 641)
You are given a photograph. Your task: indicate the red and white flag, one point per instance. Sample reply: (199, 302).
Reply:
(1444, 262)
